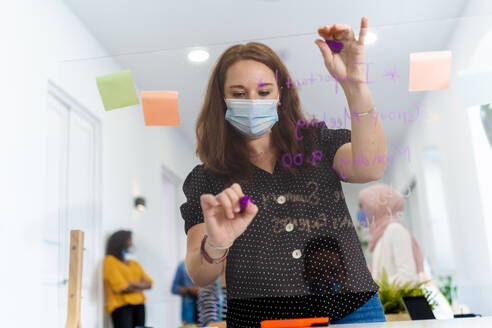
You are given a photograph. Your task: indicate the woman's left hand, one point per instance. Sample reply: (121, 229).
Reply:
(343, 64)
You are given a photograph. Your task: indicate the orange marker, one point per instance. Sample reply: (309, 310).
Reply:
(294, 323)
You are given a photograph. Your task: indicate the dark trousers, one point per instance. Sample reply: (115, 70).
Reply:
(129, 316)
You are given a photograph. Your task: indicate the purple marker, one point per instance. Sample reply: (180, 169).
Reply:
(335, 46)
(243, 202)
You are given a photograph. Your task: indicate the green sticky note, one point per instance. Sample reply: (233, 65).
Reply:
(117, 90)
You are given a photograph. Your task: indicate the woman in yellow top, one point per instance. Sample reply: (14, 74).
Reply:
(124, 282)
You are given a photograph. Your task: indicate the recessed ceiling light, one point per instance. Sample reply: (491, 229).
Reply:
(198, 55)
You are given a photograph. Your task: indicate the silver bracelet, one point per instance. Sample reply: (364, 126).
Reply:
(366, 113)
(208, 258)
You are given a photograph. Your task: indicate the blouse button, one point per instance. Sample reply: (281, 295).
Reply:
(281, 199)
(289, 227)
(296, 254)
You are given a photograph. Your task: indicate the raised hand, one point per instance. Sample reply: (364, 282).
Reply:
(223, 222)
(343, 65)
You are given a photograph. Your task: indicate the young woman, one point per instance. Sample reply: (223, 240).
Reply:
(124, 282)
(287, 256)
(393, 246)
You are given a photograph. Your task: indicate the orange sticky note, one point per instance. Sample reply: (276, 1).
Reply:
(294, 323)
(430, 70)
(160, 108)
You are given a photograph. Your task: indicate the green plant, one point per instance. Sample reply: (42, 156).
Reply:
(448, 288)
(391, 293)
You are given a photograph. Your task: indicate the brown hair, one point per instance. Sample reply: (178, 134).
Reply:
(220, 147)
(117, 243)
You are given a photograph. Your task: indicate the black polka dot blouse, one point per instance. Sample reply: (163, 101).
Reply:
(300, 256)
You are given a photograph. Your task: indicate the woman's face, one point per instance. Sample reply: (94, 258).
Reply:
(129, 243)
(249, 79)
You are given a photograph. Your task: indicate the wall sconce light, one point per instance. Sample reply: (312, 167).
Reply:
(140, 204)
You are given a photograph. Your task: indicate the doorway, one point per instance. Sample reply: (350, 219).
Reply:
(72, 200)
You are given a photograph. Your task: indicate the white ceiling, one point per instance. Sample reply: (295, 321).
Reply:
(153, 37)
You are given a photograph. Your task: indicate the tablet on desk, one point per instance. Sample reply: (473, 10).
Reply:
(417, 307)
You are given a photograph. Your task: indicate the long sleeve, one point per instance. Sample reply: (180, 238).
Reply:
(401, 249)
(178, 281)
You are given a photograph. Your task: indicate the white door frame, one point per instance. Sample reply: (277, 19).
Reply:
(73, 105)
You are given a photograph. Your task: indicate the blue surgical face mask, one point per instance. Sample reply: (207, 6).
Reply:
(361, 217)
(129, 250)
(252, 117)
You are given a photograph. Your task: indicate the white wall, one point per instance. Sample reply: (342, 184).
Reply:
(451, 135)
(39, 35)
(20, 176)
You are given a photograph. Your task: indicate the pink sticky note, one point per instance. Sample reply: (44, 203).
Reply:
(430, 70)
(160, 108)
